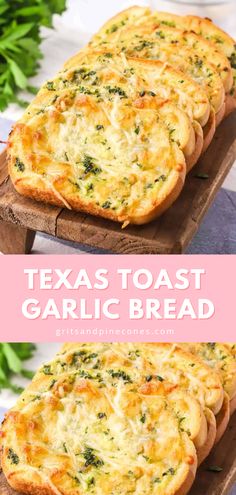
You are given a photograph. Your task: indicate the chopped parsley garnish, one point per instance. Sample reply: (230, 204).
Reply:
(91, 459)
(202, 176)
(211, 345)
(160, 35)
(137, 130)
(99, 127)
(168, 23)
(232, 60)
(50, 86)
(47, 369)
(162, 177)
(91, 482)
(120, 374)
(19, 165)
(143, 44)
(143, 418)
(198, 62)
(89, 166)
(215, 469)
(112, 29)
(102, 415)
(13, 457)
(116, 90)
(106, 205)
(52, 384)
(148, 378)
(169, 471)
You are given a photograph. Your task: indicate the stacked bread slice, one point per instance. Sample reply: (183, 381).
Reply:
(118, 418)
(117, 129)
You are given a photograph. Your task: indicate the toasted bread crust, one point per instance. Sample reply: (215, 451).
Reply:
(222, 418)
(204, 451)
(209, 130)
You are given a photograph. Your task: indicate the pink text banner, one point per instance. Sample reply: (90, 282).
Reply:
(117, 298)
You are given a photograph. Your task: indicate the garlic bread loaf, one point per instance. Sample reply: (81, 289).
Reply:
(91, 147)
(114, 133)
(75, 433)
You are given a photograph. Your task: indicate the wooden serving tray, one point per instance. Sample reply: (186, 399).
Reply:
(20, 218)
(207, 482)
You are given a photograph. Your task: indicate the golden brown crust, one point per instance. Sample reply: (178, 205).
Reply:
(230, 104)
(192, 159)
(222, 418)
(220, 114)
(209, 130)
(233, 405)
(205, 450)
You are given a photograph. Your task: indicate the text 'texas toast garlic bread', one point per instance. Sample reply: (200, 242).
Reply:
(66, 151)
(111, 74)
(134, 44)
(73, 434)
(119, 366)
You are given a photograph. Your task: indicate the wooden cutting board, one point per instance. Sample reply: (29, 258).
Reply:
(207, 482)
(171, 233)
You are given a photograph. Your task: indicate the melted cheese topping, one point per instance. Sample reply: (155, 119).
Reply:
(78, 433)
(137, 44)
(171, 363)
(91, 140)
(220, 358)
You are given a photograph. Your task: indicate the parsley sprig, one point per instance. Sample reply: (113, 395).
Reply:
(12, 357)
(20, 23)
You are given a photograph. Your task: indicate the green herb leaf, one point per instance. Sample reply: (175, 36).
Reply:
(215, 469)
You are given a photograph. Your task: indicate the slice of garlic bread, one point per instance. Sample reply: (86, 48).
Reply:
(169, 362)
(175, 38)
(167, 82)
(75, 433)
(117, 364)
(220, 358)
(202, 26)
(136, 78)
(107, 158)
(133, 43)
